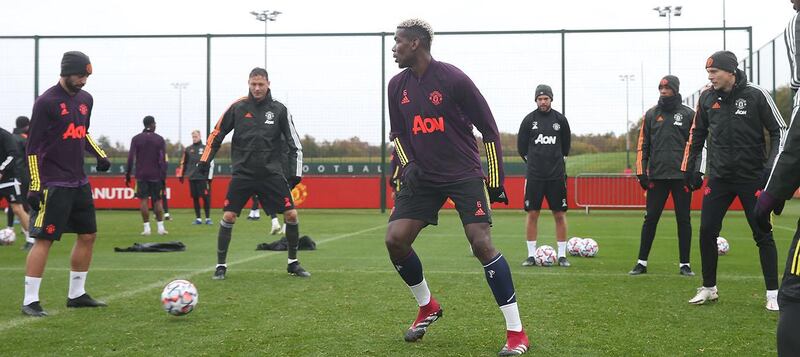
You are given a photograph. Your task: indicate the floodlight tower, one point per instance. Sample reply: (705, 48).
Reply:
(266, 16)
(180, 86)
(668, 12)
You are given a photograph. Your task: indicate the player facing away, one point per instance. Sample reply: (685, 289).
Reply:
(60, 196)
(662, 140)
(148, 150)
(11, 181)
(543, 142)
(261, 125)
(23, 174)
(199, 184)
(781, 185)
(733, 115)
(433, 107)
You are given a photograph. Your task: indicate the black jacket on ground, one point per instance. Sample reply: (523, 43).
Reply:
(734, 124)
(544, 141)
(662, 141)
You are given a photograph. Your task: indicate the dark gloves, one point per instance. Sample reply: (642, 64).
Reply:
(643, 181)
(103, 164)
(498, 194)
(203, 167)
(693, 180)
(127, 179)
(411, 176)
(765, 205)
(180, 179)
(35, 199)
(293, 181)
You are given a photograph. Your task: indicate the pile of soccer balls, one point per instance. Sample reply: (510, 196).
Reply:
(7, 236)
(584, 247)
(179, 297)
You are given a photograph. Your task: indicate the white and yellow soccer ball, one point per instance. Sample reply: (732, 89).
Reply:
(573, 246)
(723, 246)
(7, 236)
(588, 248)
(179, 297)
(545, 256)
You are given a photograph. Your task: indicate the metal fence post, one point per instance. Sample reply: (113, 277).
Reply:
(383, 123)
(35, 67)
(208, 85)
(563, 74)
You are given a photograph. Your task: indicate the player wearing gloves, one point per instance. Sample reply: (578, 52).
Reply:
(433, 107)
(148, 151)
(199, 184)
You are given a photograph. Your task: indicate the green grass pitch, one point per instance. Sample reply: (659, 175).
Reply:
(356, 304)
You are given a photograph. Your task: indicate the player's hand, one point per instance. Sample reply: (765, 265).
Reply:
(180, 179)
(693, 180)
(498, 194)
(525, 159)
(643, 181)
(765, 205)
(411, 176)
(293, 181)
(103, 164)
(128, 179)
(35, 199)
(203, 167)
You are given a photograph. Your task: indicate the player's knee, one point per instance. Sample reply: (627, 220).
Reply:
(290, 216)
(87, 238)
(764, 240)
(560, 217)
(533, 215)
(229, 217)
(708, 233)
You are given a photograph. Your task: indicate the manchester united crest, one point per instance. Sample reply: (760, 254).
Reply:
(556, 127)
(741, 103)
(83, 108)
(435, 97)
(299, 194)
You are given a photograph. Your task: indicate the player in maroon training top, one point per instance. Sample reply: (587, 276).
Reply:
(60, 195)
(433, 107)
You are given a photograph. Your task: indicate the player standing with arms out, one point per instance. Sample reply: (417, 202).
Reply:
(782, 184)
(24, 175)
(60, 195)
(148, 150)
(261, 125)
(662, 140)
(432, 109)
(543, 142)
(199, 184)
(733, 114)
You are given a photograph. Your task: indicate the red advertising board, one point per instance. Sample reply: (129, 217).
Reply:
(354, 192)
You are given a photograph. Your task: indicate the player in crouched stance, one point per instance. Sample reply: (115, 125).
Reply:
(433, 107)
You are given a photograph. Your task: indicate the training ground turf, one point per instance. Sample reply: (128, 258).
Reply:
(355, 303)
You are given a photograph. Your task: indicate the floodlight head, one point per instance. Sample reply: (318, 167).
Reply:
(253, 13)
(667, 8)
(678, 10)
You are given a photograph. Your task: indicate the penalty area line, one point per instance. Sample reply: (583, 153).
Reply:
(128, 293)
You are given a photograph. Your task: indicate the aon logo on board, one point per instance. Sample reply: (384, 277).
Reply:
(545, 139)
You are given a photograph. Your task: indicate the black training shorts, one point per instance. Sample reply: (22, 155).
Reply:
(273, 193)
(199, 188)
(11, 189)
(64, 210)
(424, 202)
(554, 190)
(149, 189)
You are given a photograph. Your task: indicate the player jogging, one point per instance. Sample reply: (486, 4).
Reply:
(543, 142)
(261, 125)
(60, 195)
(733, 114)
(662, 140)
(433, 107)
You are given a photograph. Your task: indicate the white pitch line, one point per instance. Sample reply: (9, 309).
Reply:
(26, 320)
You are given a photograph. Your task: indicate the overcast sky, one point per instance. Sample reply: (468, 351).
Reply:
(332, 85)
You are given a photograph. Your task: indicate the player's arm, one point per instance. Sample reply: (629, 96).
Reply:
(37, 141)
(182, 164)
(524, 137)
(11, 151)
(566, 137)
(398, 132)
(477, 110)
(792, 38)
(224, 126)
(773, 122)
(697, 137)
(163, 159)
(295, 152)
(643, 145)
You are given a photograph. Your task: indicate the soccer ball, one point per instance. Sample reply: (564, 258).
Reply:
(722, 246)
(588, 247)
(545, 256)
(179, 297)
(573, 246)
(7, 236)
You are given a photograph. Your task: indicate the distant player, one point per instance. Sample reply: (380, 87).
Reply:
(199, 184)
(148, 151)
(543, 142)
(662, 140)
(23, 174)
(733, 115)
(261, 125)
(433, 107)
(10, 183)
(60, 195)
(781, 185)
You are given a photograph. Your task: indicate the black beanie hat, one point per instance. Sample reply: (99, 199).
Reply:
(724, 60)
(75, 62)
(672, 82)
(148, 121)
(544, 89)
(23, 121)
